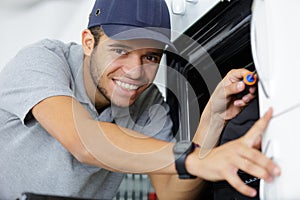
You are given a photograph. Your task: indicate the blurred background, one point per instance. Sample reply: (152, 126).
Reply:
(26, 21)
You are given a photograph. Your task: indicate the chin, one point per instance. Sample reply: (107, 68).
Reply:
(123, 103)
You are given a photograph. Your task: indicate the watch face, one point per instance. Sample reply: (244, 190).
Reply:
(182, 146)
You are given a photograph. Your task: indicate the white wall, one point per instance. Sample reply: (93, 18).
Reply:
(25, 21)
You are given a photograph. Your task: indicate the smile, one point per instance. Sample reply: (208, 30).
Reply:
(126, 85)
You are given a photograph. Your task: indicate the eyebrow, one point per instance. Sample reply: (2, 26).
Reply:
(119, 45)
(156, 53)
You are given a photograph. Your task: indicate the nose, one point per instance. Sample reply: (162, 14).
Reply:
(134, 67)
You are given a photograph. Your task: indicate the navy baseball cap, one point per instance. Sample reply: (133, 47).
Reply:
(133, 19)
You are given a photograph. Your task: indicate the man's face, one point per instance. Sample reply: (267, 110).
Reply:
(122, 70)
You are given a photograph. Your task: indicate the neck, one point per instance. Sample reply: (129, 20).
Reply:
(92, 91)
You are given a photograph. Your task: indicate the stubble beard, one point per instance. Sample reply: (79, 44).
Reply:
(96, 77)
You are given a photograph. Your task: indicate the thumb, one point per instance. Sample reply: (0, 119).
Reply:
(253, 136)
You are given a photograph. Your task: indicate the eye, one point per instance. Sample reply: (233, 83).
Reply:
(121, 51)
(152, 58)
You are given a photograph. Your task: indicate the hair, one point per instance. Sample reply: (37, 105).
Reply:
(97, 32)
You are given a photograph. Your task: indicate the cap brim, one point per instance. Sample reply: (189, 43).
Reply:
(122, 32)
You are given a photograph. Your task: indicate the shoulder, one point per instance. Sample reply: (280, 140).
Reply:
(56, 47)
(47, 54)
(43, 60)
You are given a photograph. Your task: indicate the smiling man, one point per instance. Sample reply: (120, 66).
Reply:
(75, 118)
(121, 70)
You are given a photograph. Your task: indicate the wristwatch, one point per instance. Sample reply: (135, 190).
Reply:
(181, 150)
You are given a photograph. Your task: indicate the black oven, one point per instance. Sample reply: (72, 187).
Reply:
(218, 42)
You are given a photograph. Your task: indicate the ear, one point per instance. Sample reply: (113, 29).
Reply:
(88, 41)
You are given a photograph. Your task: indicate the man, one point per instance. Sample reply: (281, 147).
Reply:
(75, 117)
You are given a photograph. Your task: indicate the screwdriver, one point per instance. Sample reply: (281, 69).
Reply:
(250, 79)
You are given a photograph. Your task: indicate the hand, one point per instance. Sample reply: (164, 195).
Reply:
(223, 101)
(223, 162)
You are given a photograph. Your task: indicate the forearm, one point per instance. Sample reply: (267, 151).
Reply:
(170, 187)
(209, 129)
(124, 150)
(141, 154)
(102, 144)
(222, 106)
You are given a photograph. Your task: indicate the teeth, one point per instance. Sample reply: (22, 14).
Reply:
(127, 86)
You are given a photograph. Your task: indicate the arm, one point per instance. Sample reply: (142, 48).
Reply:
(221, 107)
(99, 143)
(171, 187)
(103, 144)
(222, 163)
(76, 121)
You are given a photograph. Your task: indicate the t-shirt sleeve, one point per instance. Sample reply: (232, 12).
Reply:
(33, 75)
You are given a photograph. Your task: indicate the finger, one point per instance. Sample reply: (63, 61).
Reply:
(235, 75)
(240, 103)
(264, 168)
(234, 88)
(244, 101)
(235, 181)
(252, 90)
(248, 97)
(254, 134)
(257, 143)
(257, 164)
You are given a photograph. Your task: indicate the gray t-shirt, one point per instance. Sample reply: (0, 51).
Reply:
(31, 160)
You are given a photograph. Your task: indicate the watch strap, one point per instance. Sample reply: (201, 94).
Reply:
(180, 160)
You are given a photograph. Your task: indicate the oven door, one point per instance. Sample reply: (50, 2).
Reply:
(207, 50)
